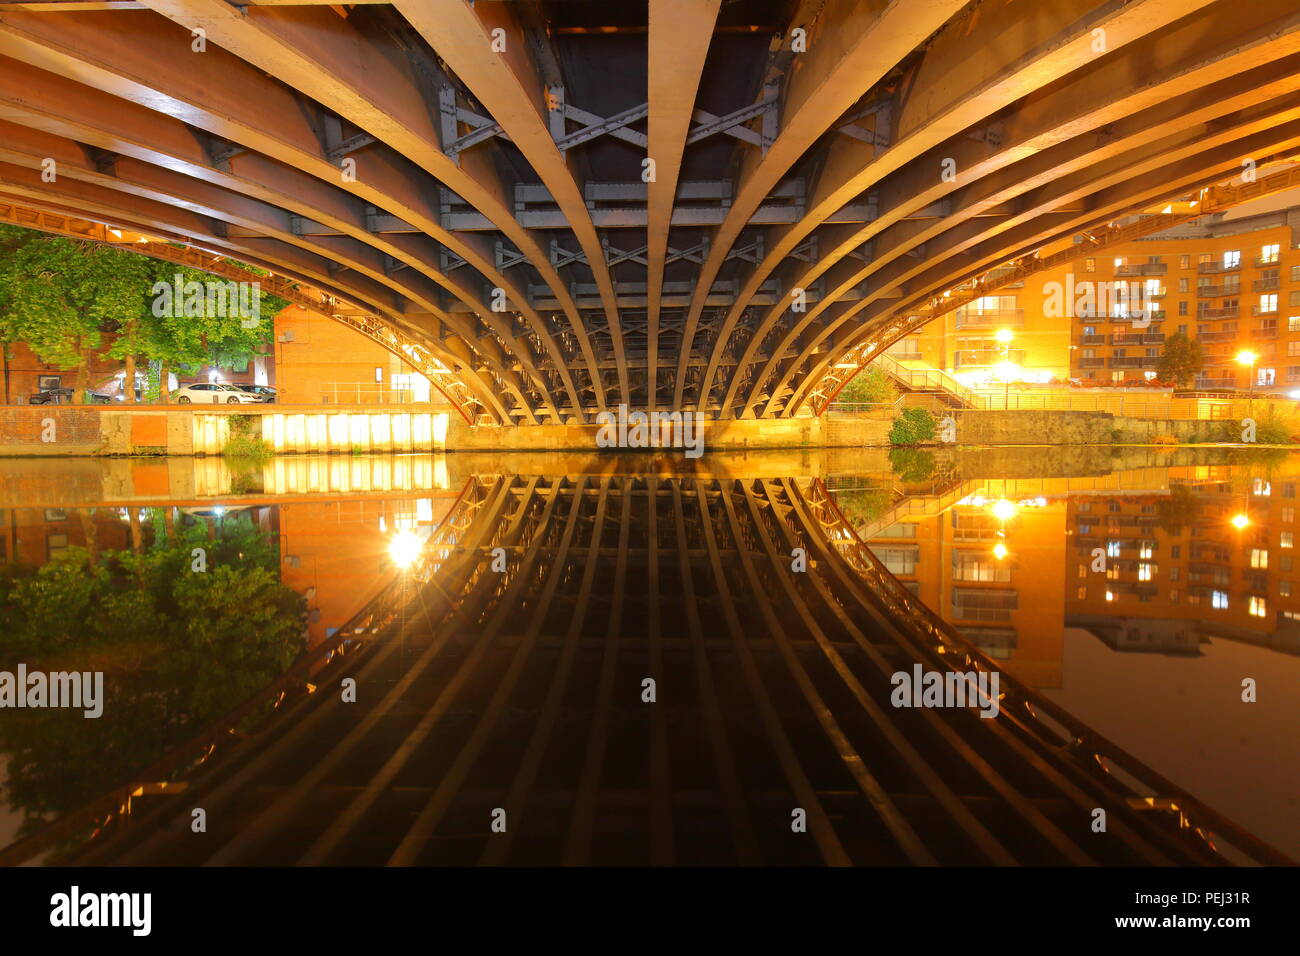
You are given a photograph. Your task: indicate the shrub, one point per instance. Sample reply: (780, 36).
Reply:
(911, 427)
(1165, 439)
(247, 447)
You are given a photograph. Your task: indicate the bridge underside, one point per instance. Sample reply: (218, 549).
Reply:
(680, 205)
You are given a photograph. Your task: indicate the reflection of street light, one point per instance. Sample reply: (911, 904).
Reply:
(404, 548)
(1004, 338)
(999, 551)
(1248, 358)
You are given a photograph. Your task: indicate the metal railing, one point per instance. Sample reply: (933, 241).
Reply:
(367, 393)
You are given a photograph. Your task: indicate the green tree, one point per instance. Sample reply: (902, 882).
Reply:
(1181, 359)
(68, 298)
(61, 296)
(871, 386)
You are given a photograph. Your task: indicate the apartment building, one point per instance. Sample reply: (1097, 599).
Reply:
(1233, 284)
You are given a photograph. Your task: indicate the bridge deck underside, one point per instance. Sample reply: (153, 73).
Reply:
(474, 177)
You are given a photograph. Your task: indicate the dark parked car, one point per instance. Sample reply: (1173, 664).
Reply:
(264, 393)
(63, 396)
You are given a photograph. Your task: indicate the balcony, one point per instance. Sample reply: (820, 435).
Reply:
(1264, 333)
(1092, 363)
(1267, 285)
(1263, 261)
(1092, 340)
(1143, 269)
(1223, 335)
(996, 318)
(1214, 291)
(1263, 310)
(1146, 338)
(1227, 312)
(1142, 361)
(1216, 268)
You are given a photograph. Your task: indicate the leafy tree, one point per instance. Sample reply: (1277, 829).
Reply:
(66, 298)
(869, 387)
(61, 296)
(1181, 359)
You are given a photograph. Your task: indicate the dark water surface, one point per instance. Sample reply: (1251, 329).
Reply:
(509, 619)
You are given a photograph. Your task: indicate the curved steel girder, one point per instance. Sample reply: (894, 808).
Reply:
(218, 92)
(150, 216)
(1153, 186)
(44, 215)
(1059, 182)
(1203, 168)
(313, 50)
(851, 45)
(27, 148)
(679, 35)
(1058, 42)
(509, 87)
(72, 111)
(1254, 72)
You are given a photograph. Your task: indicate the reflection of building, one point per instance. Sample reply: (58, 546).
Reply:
(336, 552)
(991, 569)
(1179, 558)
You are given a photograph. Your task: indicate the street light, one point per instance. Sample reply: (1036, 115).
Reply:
(1240, 521)
(1248, 358)
(1004, 338)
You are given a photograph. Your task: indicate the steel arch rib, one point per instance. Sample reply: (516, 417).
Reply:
(169, 189)
(679, 35)
(153, 217)
(1160, 184)
(508, 86)
(312, 51)
(1066, 45)
(1064, 136)
(164, 142)
(851, 46)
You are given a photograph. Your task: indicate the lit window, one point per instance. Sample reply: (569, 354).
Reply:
(1219, 599)
(1262, 488)
(1110, 595)
(1287, 539)
(1258, 606)
(1145, 571)
(1146, 549)
(1269, 253)
(1112, 549)
(1259, 558)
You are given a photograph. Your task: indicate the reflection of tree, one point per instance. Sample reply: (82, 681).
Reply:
(177, 647)
(1178, 510)
(862, 505)
(911, 464)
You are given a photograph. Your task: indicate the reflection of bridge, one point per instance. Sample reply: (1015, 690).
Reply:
(522, 692)
(427, 160)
